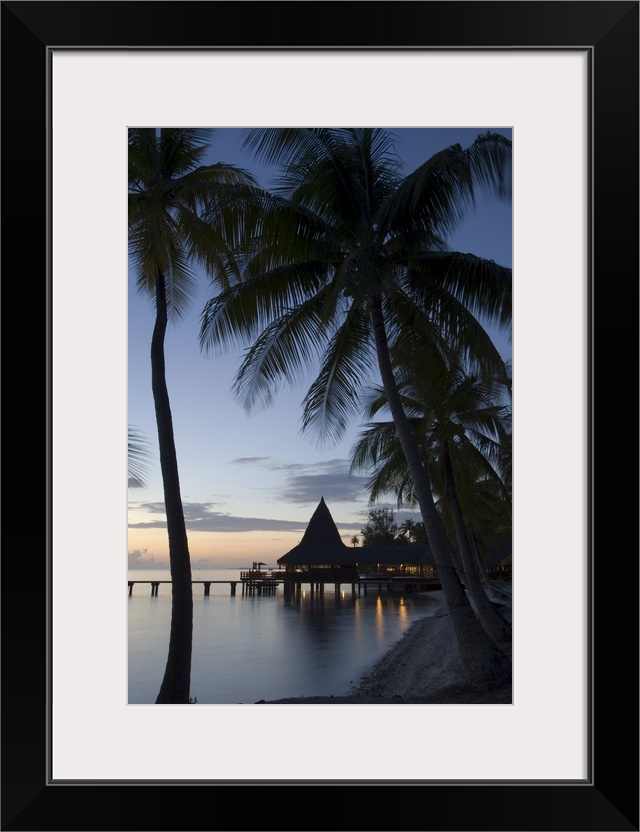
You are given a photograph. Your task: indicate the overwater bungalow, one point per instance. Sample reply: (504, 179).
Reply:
(323, 556)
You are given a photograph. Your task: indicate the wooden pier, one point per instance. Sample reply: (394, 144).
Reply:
(257, 582)
(207, 586)
(292, 584)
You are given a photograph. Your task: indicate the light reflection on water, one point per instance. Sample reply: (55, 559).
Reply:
(247, 647)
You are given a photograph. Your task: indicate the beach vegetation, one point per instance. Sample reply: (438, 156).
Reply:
(381, 529)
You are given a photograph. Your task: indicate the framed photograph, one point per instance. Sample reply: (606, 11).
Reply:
(563, 77)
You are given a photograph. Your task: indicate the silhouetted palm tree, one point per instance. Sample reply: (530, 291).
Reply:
(413, 532)
(347, 260)
(170, 192)
(461, 427)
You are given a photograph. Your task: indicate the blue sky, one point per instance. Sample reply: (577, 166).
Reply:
(250, 482)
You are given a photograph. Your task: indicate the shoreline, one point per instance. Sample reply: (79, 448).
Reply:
(422, 667)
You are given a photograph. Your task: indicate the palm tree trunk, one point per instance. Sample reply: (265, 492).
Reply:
(176, 683)
(496, 626)
(489, 584)
(484, 662)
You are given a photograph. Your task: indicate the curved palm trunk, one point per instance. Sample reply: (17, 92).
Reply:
(177, 675)
(455, 560)
(484, 662)
(494, 589)
(496, 626)
(479, 561)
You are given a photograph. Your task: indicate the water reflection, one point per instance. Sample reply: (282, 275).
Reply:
(248, 648)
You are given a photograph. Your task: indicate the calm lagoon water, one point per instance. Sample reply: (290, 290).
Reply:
(248, 647)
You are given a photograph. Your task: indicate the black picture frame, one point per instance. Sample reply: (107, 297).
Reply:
(608, 799)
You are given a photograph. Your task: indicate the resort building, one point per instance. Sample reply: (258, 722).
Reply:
(322, 556)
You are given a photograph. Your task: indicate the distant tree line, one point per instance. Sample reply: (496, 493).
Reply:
(382, 529)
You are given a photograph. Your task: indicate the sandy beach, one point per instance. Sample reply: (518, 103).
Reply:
(423, 667)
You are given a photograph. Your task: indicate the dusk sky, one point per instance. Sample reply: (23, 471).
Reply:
(250, 481)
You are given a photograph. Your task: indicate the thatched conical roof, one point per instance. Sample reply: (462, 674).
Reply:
(321, 542)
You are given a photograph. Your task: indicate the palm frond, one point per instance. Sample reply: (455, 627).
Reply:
(333, 398)
(283, 352)
(483, 286)
(378, 453)
(490, 160)
(170, 192)
(433, 198)
(138, 454)
(243, 311)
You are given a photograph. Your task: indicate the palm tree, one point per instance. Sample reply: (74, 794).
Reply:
(355, 540)
(347, 260)
(170, 192)
(461, 434)
(412, 532)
